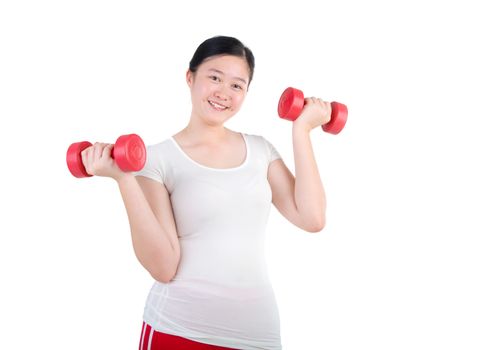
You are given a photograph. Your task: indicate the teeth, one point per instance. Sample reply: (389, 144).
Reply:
(217, 105)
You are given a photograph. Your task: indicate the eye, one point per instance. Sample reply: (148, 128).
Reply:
(214, 78)
(237, 86)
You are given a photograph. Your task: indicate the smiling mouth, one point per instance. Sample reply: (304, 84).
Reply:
(217, 106)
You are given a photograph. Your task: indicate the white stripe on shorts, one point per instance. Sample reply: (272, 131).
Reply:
(150, 338)
(143, 336)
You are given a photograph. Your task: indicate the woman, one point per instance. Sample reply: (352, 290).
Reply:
(199, 208)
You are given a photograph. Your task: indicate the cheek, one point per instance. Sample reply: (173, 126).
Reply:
(202, 91)
(239, 99)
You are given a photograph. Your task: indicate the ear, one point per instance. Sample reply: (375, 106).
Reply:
(189, 77)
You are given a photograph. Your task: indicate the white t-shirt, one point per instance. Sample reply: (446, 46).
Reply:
(221, 293)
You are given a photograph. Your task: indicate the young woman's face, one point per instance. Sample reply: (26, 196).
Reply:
(218, 88)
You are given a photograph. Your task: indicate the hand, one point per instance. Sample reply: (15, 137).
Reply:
(98, 161)
(316, 112)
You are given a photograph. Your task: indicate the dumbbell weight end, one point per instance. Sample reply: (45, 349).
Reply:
(73, 159)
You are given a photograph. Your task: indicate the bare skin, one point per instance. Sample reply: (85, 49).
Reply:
(218, 89)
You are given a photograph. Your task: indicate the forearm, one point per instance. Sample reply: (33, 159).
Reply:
(309, 193)
(150, 242)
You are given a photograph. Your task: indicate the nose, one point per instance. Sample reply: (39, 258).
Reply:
(222, 92)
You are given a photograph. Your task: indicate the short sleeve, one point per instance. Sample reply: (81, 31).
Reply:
(271, 151)
(152, 167)
(158, 165)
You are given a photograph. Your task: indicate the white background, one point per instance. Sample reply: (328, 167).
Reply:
(408, 259)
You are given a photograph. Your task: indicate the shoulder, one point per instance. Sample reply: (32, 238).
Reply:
(160, 146)
(162, 154)
(256, 141)
(263, 146)
(157, 164)
(256, 138)
(160, 151)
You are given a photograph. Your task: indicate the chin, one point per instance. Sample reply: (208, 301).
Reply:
(219, 116)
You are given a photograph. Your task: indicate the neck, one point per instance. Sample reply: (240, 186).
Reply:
(205, 133)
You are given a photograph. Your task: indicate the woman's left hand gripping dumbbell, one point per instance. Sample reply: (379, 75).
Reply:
(312, 112)
(316, 112)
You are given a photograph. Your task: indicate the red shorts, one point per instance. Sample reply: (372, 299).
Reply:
(153, 340)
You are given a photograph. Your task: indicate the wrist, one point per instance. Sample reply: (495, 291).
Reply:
(123, 178)
(300, 126)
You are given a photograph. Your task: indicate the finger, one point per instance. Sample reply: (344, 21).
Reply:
(106, 152)
(87, 159)
(87, 153)
(312, 100)
(84, 156)
(99, 148)
(329, 106)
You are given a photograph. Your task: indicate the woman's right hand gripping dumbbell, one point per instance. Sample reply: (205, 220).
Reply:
(97, 161)
(127, 154)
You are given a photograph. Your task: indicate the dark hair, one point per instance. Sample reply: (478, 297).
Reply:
(222, 45)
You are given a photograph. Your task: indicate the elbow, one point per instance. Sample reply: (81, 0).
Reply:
(313, 220)
(165, 274)
(315, 226)
(162, 278)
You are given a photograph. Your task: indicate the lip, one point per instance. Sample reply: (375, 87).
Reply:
(211, 102)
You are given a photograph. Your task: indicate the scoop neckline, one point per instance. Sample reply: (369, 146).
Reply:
(243, 164)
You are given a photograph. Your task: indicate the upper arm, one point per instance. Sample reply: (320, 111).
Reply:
(158, 198)
(282, 183)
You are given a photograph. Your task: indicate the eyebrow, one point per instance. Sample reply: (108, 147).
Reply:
(220, 72)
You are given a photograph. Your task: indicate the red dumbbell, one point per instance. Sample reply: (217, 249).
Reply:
(291, 105)
(129, 153)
